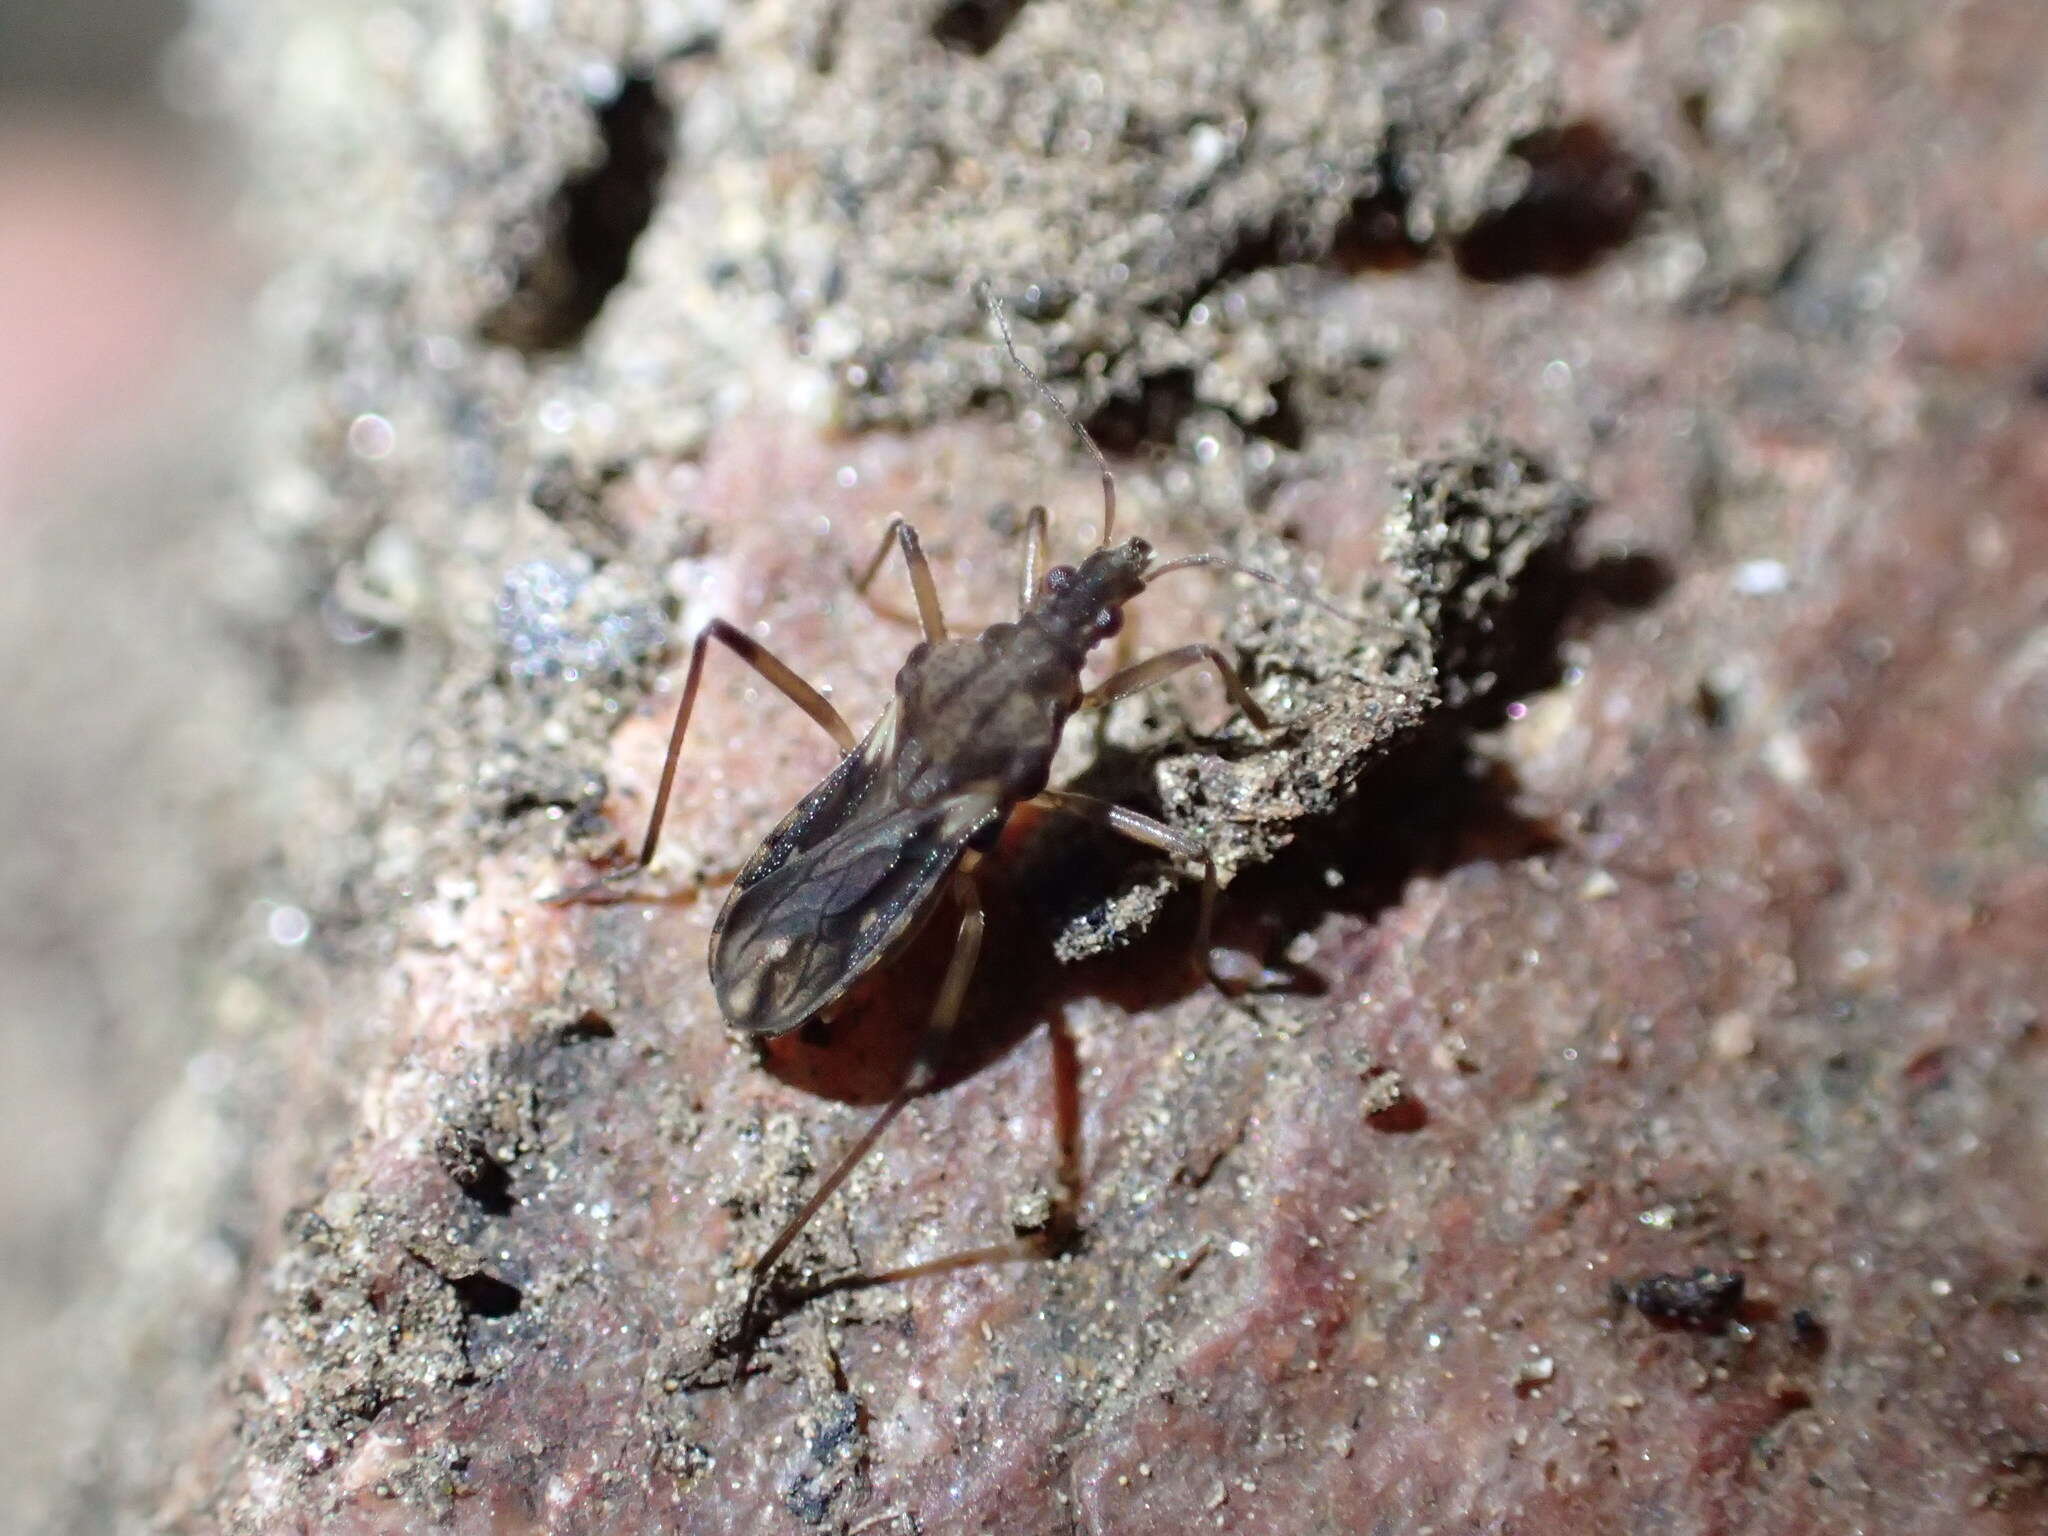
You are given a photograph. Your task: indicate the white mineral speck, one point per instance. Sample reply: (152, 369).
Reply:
(1761, 578)
(371, 437)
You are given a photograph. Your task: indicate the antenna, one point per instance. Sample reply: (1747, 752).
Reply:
(995, 308)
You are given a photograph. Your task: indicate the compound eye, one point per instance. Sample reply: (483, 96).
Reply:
(1059, 578)
(1107, 622)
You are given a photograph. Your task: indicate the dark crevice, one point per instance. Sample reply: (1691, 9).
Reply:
(1255, 249)
(589, 1025)
(1630, 581)
(485, 1295)
(526, 802)
(1583, 199)
(974, 26)
(1284, 425)
(478, 1174)
(1373, 234)
(1150, 417)
(590, 227)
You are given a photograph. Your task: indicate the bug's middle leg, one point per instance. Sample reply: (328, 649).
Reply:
(923, 1068)
(930, 617)
(1156, 669)
(1153, 834)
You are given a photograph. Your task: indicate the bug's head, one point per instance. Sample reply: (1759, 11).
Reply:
(1087, 600)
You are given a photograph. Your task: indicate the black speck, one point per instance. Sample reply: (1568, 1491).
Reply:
(1705, 1300)
(1809, 1332)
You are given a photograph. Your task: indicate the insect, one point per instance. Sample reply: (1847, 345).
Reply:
(897, 829)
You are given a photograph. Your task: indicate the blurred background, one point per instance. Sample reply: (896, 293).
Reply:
(98, 218)
(117, 344)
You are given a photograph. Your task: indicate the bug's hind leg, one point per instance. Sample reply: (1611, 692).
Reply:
(1153, 834)
(945, 1013)
(1156, 669)
(770, 666)
(930, 617)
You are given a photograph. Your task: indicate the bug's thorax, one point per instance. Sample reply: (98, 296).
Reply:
(988, 710)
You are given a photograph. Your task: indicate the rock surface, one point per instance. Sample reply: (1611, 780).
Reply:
(1689, 920)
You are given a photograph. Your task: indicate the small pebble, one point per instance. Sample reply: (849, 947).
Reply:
(1733, 1036)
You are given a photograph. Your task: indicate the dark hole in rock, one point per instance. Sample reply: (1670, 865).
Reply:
(527, 802)
(1809, 1332)
(1254, 249)
(484, 1295)
(589, 1025)
(590, 227)
(2018, 1476)
(1404, 1117)
(1151, 417)
(1283, 424)
(1696, 107)
(974, 26)
(1584, 198)
(1043, 302)
(1716, 702)
(1373, 235)
(557, 490)
(2028, 1297)
(1631, 580)
(479, 1175)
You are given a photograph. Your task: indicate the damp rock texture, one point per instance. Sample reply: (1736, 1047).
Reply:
(1629, 1114)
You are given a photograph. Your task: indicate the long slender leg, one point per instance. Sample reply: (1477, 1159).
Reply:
(923, 1067)
(770, 666)
(1153, 834)
(1063, 1223)
(1034, 557)
(930, 618)
(1145, 674)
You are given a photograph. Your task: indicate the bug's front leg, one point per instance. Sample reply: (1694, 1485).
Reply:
(1156, 669)
(771, 667)
(930, 617)
(1034, 558)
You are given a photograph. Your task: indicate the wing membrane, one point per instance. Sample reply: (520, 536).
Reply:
(845, 879)
(852, 792)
